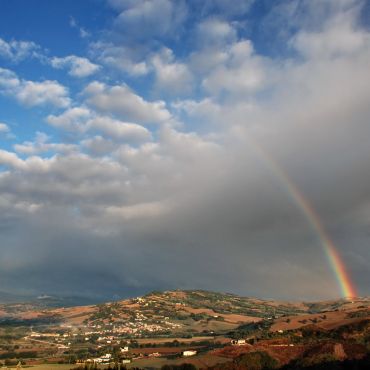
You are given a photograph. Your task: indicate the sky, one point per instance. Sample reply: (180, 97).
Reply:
(154, 144)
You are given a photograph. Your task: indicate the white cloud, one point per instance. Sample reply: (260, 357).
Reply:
(120, 57)
(137, 211)
(4, 128)
(78, 67)
(242, 72)
(98, 145)
(10, 159)
(5, 131)
(148, 19)
(73, 119)
(45, 92)
(17, 51)
(147, 22)
(204, 60)
(82, 120)
(118, 130)
(30, 93)
(338, 38)
(171, 77)
(215, 32)
(123, 102)
(8, 80)
(58, 174)
(41, 144)
(205, 109)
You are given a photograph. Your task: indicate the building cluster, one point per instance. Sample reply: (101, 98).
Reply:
(111, 327)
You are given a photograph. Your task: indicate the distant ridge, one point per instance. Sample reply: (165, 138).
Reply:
(48, 301)
(6, 297)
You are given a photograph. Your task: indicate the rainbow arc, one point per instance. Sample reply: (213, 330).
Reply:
(345, 284)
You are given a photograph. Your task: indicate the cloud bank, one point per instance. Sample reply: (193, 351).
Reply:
(161, 177)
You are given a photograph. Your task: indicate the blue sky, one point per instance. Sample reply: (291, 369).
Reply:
(86, 28)
(128, 136)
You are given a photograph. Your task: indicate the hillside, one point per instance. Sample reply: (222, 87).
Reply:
(159, 326)
(191, 311)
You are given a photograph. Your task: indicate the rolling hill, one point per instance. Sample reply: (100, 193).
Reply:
(158, 327)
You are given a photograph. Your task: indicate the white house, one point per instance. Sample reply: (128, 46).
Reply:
(239, 342)
(106, 359)
(189, 353)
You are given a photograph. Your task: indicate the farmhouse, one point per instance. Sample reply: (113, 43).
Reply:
(105, 359)
(238, 342)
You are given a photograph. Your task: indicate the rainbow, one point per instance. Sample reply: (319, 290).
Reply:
(345, 284)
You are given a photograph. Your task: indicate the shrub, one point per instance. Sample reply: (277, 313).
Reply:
(179, 367)
(257, 361)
